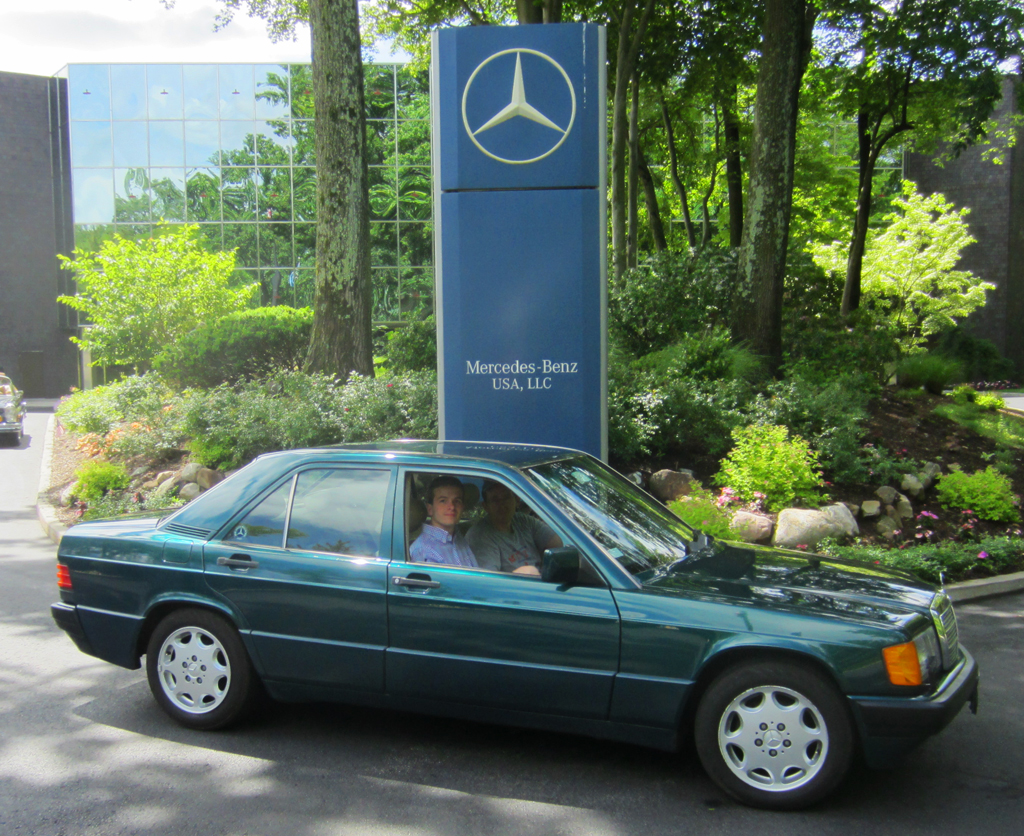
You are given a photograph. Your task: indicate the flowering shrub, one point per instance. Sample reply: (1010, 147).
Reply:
(767, 460)
(988, 493)
(703, 511)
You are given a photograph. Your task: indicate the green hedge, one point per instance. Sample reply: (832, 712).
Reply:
(239, 346)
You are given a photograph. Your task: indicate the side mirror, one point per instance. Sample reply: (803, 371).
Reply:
(561, 565)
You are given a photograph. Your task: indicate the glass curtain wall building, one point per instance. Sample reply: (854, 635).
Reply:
(230, 148)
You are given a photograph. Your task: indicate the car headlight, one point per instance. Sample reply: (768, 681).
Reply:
(915, 662)
(9, 413)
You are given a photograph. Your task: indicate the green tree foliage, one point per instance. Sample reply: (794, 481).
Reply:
(140, 296)
(927, 69)
(909, 267)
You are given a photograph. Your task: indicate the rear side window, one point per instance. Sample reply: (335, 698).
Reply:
(339, 511)
(264, 524)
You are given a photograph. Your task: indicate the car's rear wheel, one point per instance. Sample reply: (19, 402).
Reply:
(199, 671)
(774, 734)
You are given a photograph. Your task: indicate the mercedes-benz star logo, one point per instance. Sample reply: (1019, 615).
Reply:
(519, 106)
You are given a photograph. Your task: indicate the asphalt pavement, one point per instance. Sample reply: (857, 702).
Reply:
(84, 751)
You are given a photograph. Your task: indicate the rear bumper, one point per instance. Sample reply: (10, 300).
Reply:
(66, 616)
(891, 727)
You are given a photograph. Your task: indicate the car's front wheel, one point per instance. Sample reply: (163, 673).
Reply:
(199, 671)
(774, 734)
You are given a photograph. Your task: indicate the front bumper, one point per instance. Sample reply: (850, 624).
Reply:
(891, 727)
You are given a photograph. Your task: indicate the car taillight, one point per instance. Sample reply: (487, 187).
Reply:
(63, 577)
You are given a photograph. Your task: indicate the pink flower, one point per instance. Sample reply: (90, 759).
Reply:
(982, 555)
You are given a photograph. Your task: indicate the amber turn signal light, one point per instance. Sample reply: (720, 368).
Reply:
(902, 664)
(63, 577)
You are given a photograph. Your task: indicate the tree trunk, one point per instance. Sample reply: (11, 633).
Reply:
(628, 48)
(529, 11)
(865, 171)
(341, 337)
(785, 50)
(870, 142)
(673, 167)
(733, 169)
(632, 191)
(651, 201)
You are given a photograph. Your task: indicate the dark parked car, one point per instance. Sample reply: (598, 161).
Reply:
(295, 574)
(12, 411)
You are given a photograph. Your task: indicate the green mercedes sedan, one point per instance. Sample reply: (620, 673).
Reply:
(516, 584)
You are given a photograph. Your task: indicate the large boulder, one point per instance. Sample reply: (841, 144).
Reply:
(189, 471)
(751, 528)
(207, 478)
(805, 527)
(671, 484)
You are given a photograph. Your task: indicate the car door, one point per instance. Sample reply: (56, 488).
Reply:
(474, 636)
(313, 599)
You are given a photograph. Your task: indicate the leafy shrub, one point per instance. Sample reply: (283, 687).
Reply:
(700, 510)
(685, 398)
(964, 394)
(767, 460)
(986, 492)
(990, 401)
(136, 398)
(671, 295)
(230, 425)
(246, 344)
(829, 414)
(950, 561)
(115, 504)
(817, 342)
(413, 348)
(932, 371)
(96, 478)
(979, 358)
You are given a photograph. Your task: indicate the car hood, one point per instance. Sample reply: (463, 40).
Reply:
(792, 580)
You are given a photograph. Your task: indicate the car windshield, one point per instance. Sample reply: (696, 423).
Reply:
(631, 526)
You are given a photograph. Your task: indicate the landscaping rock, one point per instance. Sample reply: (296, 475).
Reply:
(67, 495)
(887, 494)
(751, 528)
(189, 491)
(163, 476)
(887, 527)
(841, 517)
(148, 486)
(139, 472)
(671, 484)
(206, 478)
(912, 485)
(871, 508)
(904, 508)
(854, 508)
(189, 471)
(801, 527)
(166, 488)
(636, 477)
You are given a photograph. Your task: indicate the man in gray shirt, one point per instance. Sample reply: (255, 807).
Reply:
(507, 539)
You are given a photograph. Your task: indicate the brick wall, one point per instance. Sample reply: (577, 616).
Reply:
(993, 193)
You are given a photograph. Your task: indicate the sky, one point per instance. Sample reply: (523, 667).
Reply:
(39, 37)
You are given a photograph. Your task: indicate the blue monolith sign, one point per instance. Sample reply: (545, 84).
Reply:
(519, 127)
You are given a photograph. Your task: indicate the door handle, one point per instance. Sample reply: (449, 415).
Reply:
(238, 561)
(417, 581)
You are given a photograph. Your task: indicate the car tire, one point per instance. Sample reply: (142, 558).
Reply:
(774, 734)
(199, 671)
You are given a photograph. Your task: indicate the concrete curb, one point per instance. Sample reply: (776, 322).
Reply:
(965, 591)
(45, 511)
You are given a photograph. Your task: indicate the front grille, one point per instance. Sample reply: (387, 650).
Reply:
(945, 625)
